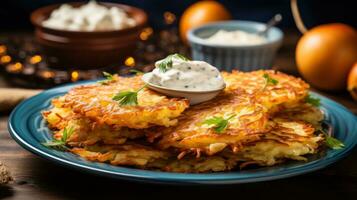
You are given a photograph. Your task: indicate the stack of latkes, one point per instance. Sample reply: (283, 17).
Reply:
(262, 118)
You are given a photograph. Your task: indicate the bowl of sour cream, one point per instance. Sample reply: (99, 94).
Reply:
(235, 44)
(176, 76)
(88, 35)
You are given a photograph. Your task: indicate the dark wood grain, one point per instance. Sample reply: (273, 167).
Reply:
(36, 178)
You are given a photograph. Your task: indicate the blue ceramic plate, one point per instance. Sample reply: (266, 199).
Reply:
(29, 129)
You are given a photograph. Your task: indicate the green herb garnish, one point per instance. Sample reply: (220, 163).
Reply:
(219, 123)
(312, 100)
(333, 143)
(128, 98)
(330, 141)
(108, 77)
(166, 63)
(137, 72)
(61, 143)
(269, 80)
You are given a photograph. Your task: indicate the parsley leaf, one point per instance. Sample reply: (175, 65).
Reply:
(312, 100)
(128, 98)
(61, 143)
(181, 57)
(269, 80)
(219, 123)
(166, 63)
(333, 143)
(108, 77)
(330, 141)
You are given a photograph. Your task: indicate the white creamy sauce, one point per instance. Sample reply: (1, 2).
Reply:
(235, 38)
(89, 17)
(187, 75)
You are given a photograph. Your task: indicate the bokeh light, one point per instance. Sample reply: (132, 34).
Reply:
(74, 76)
(169, 17)
(47, 74)
(130, 62)
(35, 59)
(2, 49)
(15, 67)
(5, 59)
(146, 33)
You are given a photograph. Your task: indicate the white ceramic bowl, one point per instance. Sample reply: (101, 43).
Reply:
(240, 57)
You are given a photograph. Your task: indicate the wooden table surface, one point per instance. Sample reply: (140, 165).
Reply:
(36, 178)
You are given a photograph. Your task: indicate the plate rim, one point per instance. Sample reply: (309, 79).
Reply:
(169, 177)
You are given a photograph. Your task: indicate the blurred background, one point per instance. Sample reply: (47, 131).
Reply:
(14, 14)
(23, 64)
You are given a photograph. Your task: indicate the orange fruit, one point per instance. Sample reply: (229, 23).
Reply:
(201, 13)
(325, 55)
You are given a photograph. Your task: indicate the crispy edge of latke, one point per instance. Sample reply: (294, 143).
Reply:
(121, 117)
(87, 133)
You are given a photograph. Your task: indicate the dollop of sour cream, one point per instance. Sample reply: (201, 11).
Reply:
(235, 38)
(187, 75)
(88, 17)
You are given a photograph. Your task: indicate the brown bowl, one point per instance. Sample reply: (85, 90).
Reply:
(88, 50)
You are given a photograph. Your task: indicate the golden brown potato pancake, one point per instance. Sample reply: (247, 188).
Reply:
(250, 98)
(85, 132)
(287, 140)
(191, 134)
(95, 103)
(127, 154)
(271, 123)
(287, 92)
(305, 112)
